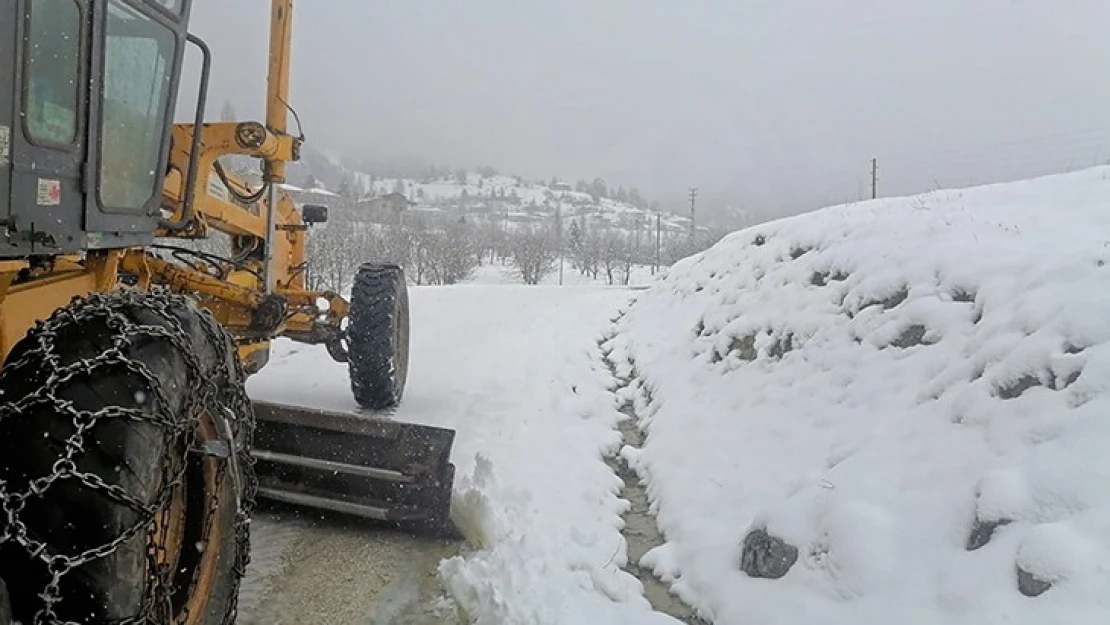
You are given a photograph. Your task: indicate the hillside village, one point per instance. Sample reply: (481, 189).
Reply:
(443, 225)
(508, 201)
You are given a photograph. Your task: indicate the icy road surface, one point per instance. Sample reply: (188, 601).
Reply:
(518, 373)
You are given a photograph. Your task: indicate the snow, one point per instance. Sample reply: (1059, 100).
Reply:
(318, 190)
(516, 371)
(487, 274)
(866, 381)
(912, 392)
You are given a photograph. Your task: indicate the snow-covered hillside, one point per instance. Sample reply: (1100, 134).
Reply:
(900, 407)
(486, 195)
(515, 200)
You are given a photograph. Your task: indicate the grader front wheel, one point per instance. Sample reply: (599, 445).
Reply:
(125, 476)
(378, 336)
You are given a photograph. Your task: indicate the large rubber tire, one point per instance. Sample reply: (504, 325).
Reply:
(378, 336)
(5, 605)
(154, 380)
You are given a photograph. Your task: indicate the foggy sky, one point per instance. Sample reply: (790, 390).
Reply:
(772, 105)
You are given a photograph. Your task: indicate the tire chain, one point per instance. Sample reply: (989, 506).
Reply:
(110, 308)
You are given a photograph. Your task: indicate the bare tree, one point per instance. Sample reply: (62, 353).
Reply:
(627, 259)
(397, 247)
(431, 253)
(534, 255)
(491, 239)
(503, 245)
(594, 250)
(577, 248)
(334, 251)
(451, 256)
(611, 254)
(420, 257)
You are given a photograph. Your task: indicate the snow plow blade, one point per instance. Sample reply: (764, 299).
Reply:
(370, 467)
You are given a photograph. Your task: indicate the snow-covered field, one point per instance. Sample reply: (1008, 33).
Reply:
(640, 276)
(880, 386)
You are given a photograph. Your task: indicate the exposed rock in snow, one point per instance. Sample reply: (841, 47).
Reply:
(764, 555)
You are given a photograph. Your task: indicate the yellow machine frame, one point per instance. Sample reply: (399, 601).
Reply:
(264, 296)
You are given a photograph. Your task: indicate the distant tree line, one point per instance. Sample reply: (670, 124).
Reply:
(449, 252)
(599, 189)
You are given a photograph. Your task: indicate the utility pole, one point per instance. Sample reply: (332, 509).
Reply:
(693, 202)
(874, 178)
(639, 232)
(559, 236)
(658, 231)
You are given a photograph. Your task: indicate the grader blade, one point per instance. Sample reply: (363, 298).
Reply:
(370, 467)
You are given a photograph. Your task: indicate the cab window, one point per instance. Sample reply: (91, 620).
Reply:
(51, 89)
(138, 64)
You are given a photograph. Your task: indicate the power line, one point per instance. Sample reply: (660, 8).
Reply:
(658, 237)
(913, 150)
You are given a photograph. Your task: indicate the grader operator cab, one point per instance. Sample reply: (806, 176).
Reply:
(130, 456)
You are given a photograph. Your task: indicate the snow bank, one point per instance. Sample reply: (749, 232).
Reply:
(534, 494)
(911, 393)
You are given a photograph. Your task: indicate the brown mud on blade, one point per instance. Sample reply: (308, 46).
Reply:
(371, 467)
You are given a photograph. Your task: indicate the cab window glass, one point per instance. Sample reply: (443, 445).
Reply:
(138, 64)
(53, 45)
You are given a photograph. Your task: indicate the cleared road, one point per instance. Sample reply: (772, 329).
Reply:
(341, 572)
(481, 364)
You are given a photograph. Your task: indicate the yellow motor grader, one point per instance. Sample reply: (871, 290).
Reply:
(130, 455)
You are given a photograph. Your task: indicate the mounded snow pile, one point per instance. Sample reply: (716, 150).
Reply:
(889, 412)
